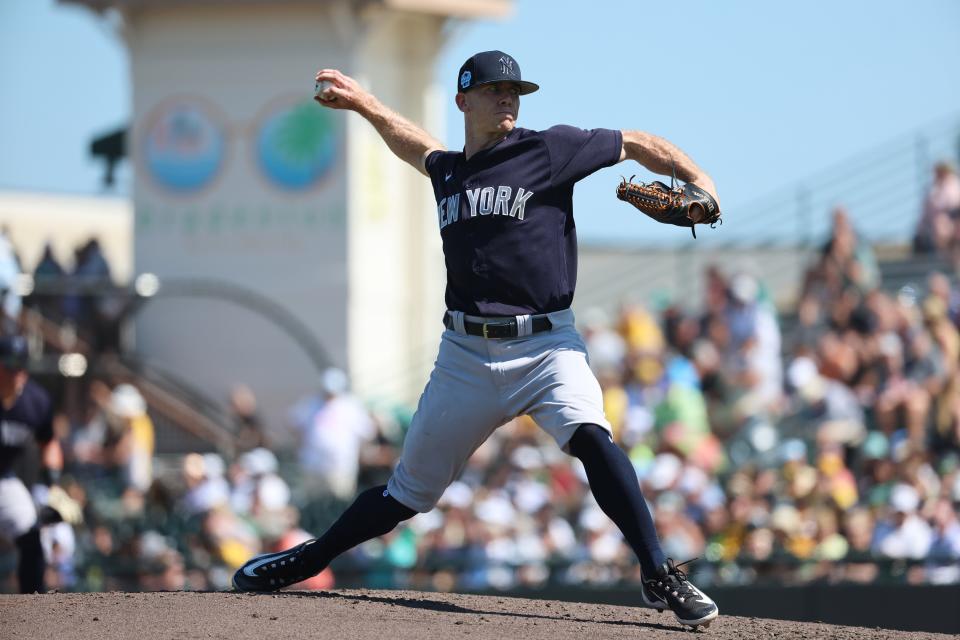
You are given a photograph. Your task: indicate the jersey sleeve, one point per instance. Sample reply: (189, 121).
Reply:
(435, 163)
(576, 153)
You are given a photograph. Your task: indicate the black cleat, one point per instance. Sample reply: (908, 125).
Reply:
(650, 600)
(273, 571)
(671, 589)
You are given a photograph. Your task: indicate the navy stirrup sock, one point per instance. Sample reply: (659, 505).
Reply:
(614, 484)
(372, 514)
(31, 564)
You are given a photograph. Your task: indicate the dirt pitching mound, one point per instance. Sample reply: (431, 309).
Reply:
(372, 615)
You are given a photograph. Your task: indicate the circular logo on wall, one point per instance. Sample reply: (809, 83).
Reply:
(184, 145)
(296, 145)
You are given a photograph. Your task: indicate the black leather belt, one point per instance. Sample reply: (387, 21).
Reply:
(499, 328)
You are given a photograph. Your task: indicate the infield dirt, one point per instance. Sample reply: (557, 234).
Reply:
(372, 615)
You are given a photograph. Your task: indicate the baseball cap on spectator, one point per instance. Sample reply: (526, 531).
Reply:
(763, 435)
(495, 509)
(744, 288)
(592, 518)
(693, 480)
(334, 381)
(793, 450)
(904, 498)
(14, 352)
(665, 471)
(273, 493)
(152, 545)
(712, 497)
(530, 496)
(605, 548)
(804, 378)
(487, 67)
(426, 522)
(457, 495)
(259, 461)
(526, 457)
(213, 465)
(126, 401)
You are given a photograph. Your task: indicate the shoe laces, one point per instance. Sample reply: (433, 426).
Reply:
(675, 581)
(283, 570)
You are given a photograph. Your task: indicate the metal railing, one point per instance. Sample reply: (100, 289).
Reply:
(882, 189)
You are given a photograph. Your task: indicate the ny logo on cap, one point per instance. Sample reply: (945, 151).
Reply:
(506, 65)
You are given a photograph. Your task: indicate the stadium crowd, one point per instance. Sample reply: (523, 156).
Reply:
(826, 449)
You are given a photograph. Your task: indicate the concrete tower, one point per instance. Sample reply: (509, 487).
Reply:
(252, 202)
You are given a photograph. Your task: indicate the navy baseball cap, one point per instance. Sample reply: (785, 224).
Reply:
(492, 66)
(14, 353)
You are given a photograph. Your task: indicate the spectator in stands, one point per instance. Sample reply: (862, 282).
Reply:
(90, 435)
(333, 438)
(606, 346)
(739, 350)
(937, 230)
(129, 443)
(92, 305)
(831, 408)
(938, 286)
(946, 537)
(259, 493)
(849, 254)
(48, 272)
(904, 533)
(247, 422)
(206, 487)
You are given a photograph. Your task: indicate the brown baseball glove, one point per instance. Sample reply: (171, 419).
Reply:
(685, 206)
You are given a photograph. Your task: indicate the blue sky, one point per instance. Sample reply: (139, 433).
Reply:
(761, 94)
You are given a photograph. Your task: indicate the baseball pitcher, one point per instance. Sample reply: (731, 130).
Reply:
(505, 215)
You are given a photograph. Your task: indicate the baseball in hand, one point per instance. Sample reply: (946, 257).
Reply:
(320, 87)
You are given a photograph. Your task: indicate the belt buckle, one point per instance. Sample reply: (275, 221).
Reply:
(493, 324)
